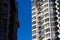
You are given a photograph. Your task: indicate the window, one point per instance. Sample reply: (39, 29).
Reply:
(4, 14)
(34, 36)
(51, 5)
(34, 22)
(45, 5)
(46, 10)
(46, 1)
(34, 13)
(48, 35)
(52, 19)
(53, 29)
(34, 18)
(6, 5)
(34, 27)
(53, 24)
(41, 33)
(58, 10)
(48, 29)
(59, 25)
(39, 12)
(59, 20)
(33, 32)
(2, 37)
(33, 3)
(58, 6)
(39, 27)
(58, 15)
(46, 25)
(33, 9)
(4, 21)
(47, 14)
(46, 19)
(51, 0)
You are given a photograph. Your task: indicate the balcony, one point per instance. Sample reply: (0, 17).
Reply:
(55, 13)
(55, 18)
(54, 9)
(56, 23)
(54, 4)
(40, 22)
(39, 18)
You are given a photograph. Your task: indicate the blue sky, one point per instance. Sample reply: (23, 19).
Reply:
(24, 14)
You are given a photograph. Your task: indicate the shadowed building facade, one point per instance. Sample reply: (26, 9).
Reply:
(8, 20)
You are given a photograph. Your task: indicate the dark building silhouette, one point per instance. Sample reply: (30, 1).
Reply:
(8, 20)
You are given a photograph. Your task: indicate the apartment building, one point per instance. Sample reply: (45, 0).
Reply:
(8, 20)
(45, 19)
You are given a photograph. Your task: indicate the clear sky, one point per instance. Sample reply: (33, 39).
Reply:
(24, 14)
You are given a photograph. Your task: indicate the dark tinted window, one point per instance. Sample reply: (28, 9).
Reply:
(2, 37)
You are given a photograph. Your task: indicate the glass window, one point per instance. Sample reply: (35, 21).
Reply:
(48, 35)
(59, 25)
(39, 27)
(52, 19)
(2, 37)
(45, 5)
(4, 21)
(46, 1)
(59, 20)
(33, 9)
(34, 13)
(34, 36)
(41, 33)
(46, 25)
(46, 10)
(51, 0)
(51, 5)
(34, 27)
(34, 18)
(46, 19)
(58, 6)
(39, 12)
(4, 14)
(33, 32)
(58, 15)
(58, 10)
(53, 24)
(6, 5)
(48, 29)
(33, 3)
(47, 14)
(34, 22)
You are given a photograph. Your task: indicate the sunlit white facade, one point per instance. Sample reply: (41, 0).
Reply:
(45, 19)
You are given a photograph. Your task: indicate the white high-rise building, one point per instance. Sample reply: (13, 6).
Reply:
(45, 19)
